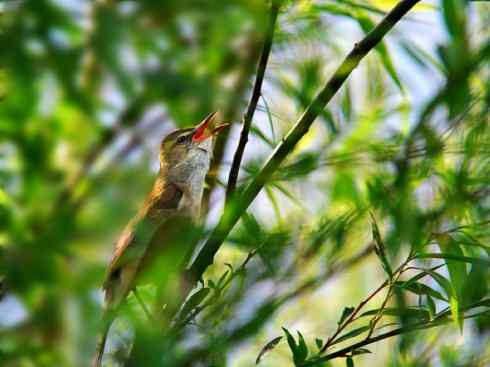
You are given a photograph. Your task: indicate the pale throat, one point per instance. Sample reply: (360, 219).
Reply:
(190, 179)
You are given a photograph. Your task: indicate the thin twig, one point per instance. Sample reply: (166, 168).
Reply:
(266, 311)
(354, 313)
(233, 106)
(440, 320)
(182, 323)
(247, 119)
(389, 293)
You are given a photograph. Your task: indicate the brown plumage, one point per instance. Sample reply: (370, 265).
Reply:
(151, 245)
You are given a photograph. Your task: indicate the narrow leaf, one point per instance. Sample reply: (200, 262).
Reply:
(418, 313)
(347, 311)
(442, 281)
(367, 25)
(194, 301)
(418, 276)
(421, 289)
(360, 351)
(352, 334)
(457, 272)
(267, 348)
(476, 284)
(302, 349)
(379, 248)
(257, 132)
(431, 307)
(466, 259)
(222, 279)
(291, 341)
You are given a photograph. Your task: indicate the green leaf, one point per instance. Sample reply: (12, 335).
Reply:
(349, 362)
(345, 313)
(455, 312)
(455, 262)
(327, 117)
(360, 351)
(379, 248)
(275, 205)
(291, 341)
(302, 165)
(465, 239)
(352, 334)
(267, 348)
(367, 25)
(286, 193)
(253, 227)
(420, 275)
(431, 307)
(466, 259)
(454, 15)
(443, 282)
(344, 188)
(302, 349)
(456, 268)
(222, 279)
(257, 132)
(269, 117)
(346, 104)
(194, 301)
(421, 289)
(476, 284)
(413, 312)
(421, 56)
(319, 343)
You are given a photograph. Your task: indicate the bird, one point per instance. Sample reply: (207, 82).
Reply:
(151, 245)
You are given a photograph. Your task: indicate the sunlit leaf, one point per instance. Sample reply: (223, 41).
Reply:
(367, 25)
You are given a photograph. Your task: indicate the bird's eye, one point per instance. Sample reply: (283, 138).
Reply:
(182, 139)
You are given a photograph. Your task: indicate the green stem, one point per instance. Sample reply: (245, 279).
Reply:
(235, 208)
(438, 321)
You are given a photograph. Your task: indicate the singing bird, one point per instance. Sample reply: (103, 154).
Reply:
(154, 232)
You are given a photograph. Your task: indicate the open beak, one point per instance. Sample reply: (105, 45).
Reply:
(207, 129)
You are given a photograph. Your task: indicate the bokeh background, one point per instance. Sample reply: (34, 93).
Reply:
(89, 88)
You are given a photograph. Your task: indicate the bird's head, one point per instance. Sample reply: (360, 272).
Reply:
(186, 152)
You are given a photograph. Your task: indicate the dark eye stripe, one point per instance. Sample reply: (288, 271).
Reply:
(171, 138)
(183, 138)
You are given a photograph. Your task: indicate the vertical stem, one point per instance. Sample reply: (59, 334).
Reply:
(233, 105)
(252, 106)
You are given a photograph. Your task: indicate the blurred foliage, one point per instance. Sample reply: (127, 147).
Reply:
(398, 164)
